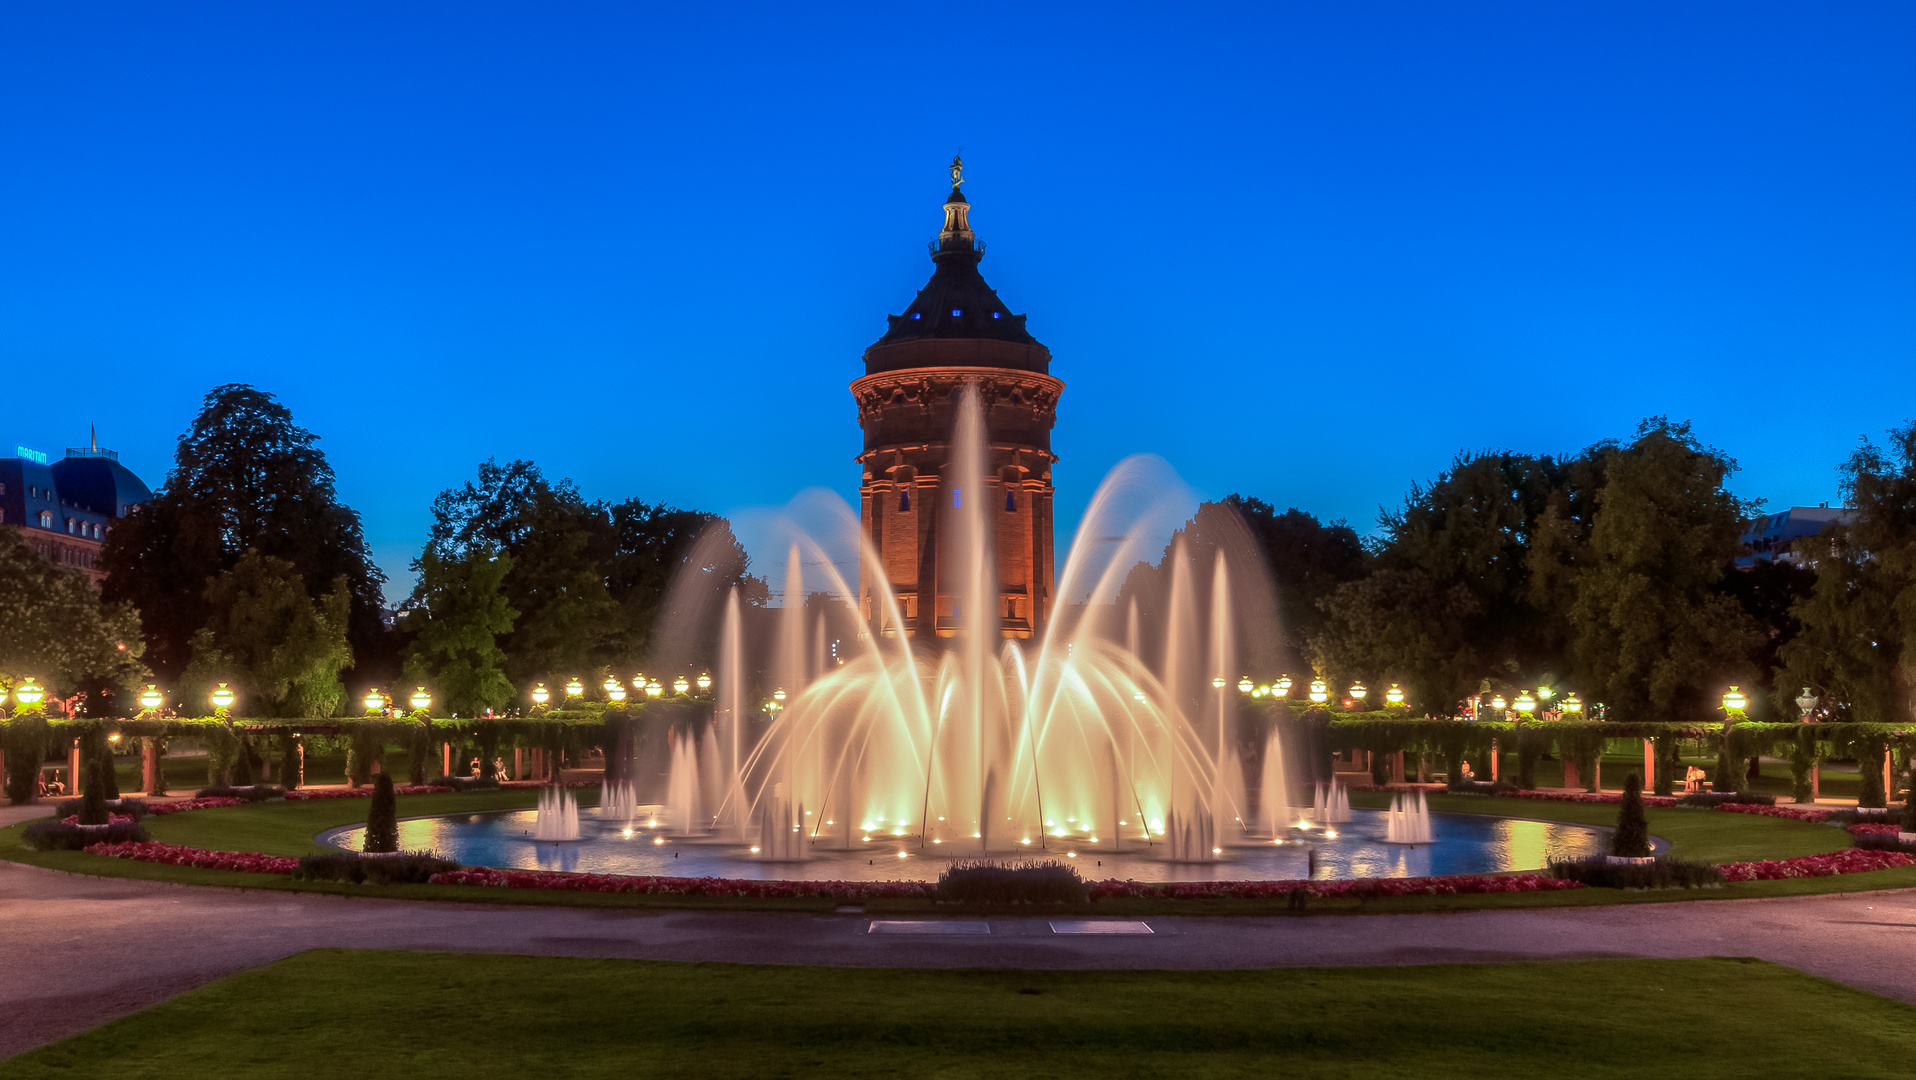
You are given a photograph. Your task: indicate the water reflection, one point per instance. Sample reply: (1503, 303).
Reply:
(1466, 844)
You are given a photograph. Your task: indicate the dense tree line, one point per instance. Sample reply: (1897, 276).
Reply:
(1611, 572)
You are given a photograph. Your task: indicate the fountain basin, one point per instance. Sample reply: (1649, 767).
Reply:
(1463, 844)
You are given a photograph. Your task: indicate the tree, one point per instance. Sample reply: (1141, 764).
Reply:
(245, 477)
(1307, 559)
(557, 543)
(54, 627)
(1452, 601)
(461, 615)
(1652, 635)
(1857, 648)
(284, 648)
(590, 581)
(382, 817)
(1632, 838)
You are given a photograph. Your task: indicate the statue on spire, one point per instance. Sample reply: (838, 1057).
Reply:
(957, 171)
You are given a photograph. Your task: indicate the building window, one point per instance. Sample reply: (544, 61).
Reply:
(46, 519)
(916, 315)
(956, 312)
(994, 315)
(904, 501)
(1011, 502)
(957, 499)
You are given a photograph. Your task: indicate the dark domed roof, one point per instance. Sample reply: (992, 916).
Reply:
(957, 306)
(99, 482)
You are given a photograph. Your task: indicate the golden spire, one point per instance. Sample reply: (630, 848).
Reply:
(957, 171)
(956, 235)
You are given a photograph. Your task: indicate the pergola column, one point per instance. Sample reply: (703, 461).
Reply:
(1496, 760)
(1649, 765)
(1572, 776)
(1397, 767)
(73, 769)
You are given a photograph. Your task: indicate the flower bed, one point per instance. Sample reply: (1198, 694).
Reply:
(175, 855)
(1848, 861)
(1353, 889)
(310, 794)
(1873, 828)
(685, 886)
(162, 809)
(111, 819)
(1790, 812)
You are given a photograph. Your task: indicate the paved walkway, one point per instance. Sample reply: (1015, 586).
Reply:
(104, 947)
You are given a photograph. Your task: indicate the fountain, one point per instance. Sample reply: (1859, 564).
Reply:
(619, 801)
(1408, 822)
(558, 815)
(1331, 804)
(977, 744)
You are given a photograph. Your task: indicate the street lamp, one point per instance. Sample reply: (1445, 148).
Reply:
(1498, 703)
(223, 698)
(421, 700)
(614, 690)
(778, 695)
(1525, 703)
(1359, 691)
(151, 698)
(1572, 704)
(680, 685)
(654, 688)
(30, 695)
(574, 688)
(1394, 696)
(1217, 682)
(705, 681)
(1734, 701)
(1806, 702)
(1320, 693)
(1245, 686)
(375, 701)
(540, 695)
(1283, 687)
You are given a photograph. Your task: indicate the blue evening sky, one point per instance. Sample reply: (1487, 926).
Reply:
(1306, 252)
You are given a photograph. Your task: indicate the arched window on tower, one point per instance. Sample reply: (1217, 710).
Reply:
(957, 498)
(1011, 501)
(904, 499)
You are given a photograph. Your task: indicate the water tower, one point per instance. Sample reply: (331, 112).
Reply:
(957, 337)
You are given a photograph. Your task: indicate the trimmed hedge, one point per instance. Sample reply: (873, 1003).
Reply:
(987, 882)
(1600, 873)
(54, 836)
(413, 868)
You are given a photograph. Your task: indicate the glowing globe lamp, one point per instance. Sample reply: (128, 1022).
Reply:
(705, 682)
(1572, 704)
(1395, 695)
(223, 698)
(151, 698)
(1320, 693)
(540, 695)
(574, 688)
(421, 700)
(1244, 685)
(375, 701)
(29, 694)
(1734, 701)
(680, 686)
(1359, 691)
(654, 688)
(1525, 703)
(1283, 687)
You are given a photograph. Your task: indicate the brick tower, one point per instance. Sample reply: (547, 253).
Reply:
(956, 335)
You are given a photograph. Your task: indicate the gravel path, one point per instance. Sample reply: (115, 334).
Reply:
(84, 950)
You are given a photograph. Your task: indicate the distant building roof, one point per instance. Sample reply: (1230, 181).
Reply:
(1769, 537)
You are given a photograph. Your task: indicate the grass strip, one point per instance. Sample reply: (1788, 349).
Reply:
(428, 1015)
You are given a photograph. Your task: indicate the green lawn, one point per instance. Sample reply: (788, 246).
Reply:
(426, 1015)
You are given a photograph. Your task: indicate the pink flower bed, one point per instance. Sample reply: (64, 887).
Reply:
(1874, 828)
(1354, 889)
(683, 886)
(174, 855)
(309, 794)
(1850, 861)
(1789, 812)
(165, 808)
(111, 819)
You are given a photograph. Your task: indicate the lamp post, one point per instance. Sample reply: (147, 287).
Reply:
(614, 690)
(680, 685)
(540, 695)
(1525, 704)
(654, 688)
(422, 701)
(1217, 682)
(222, 699)
(705, 682)
(151, 698)
(1394, 697)
(1245, 686)
(375, 701)
(1572, 704)
(574, 688)
(1359, 692)
(1734, 702)
(1320, 693)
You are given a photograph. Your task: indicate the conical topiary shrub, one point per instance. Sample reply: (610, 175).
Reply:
(93, 803)
(382, 818)
(1632, 838)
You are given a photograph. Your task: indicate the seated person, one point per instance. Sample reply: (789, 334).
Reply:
(499, 767)
(476, 771)
(1464, 770)
(58, 787)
